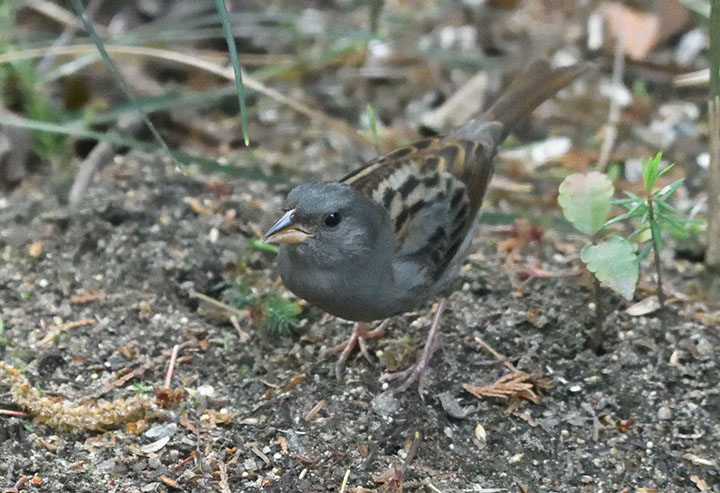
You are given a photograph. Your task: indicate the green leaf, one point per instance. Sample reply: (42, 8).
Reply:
(640, 233)
(615, 264)
(635, 211)
(627, 202)
(644, 252)
(141, 388)
(667, 192)
(650, 171)
(586, 200)
(666, 169)
(675, 226)
(663, 208)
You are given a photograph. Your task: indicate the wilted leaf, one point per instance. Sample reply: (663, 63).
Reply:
(645, 307)
(516, 384)
(615, 264)
(586, 199)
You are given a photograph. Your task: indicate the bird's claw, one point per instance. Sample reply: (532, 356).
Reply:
(408, 376)
(359, 337)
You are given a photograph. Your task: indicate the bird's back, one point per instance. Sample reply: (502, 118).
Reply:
(432, 189)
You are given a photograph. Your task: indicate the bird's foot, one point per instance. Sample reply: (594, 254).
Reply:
(416, 372)
(359, 337)
(408, 376)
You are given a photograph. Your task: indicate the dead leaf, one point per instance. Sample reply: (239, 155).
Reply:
(641, 31)
(700, 483)
(699, 461)
(168, 398)
(637, 31)
(644, 307)
(391, 480)
(516, 384)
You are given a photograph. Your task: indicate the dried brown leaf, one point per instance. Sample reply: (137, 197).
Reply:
(518, 384)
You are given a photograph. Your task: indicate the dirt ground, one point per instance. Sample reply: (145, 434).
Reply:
(93, 299)
(641, 416)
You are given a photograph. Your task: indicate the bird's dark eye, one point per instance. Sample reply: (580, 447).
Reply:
(332, 220)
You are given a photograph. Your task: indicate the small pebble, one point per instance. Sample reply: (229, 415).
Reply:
(664, 413)
(385, 404)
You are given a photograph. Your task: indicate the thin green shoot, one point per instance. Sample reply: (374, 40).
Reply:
(259, 245)
(232, 47)
(372, 118)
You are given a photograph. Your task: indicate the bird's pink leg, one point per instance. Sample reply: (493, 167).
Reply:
(416, 372)
(359, 337)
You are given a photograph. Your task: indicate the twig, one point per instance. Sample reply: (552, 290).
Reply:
(223, 477)
(119, 382)
(614, 113)
(219, 304)
(345, 481)
(497, 355)
(244, 336)
(8, 412)
(315, 410)
(171, 366)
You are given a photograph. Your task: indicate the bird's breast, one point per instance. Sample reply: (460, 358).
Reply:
(352, 293)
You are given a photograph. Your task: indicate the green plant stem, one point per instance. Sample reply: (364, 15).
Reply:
(656, 256)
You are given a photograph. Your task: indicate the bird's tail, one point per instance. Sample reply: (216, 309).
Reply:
(538, 82)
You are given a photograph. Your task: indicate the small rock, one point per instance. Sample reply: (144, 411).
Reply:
(250, 465)
(452, 406)
(206, 391)
(664, 413)
(162, 431)
(385, 404)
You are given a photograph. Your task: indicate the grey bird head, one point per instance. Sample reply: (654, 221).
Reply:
(328, 224)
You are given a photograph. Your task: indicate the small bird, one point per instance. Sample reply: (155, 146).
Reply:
(392, 234)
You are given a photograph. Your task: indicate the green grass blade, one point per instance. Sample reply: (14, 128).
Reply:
(222, 10)
(80, 10)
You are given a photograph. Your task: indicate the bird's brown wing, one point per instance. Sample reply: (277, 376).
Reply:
(432, 190)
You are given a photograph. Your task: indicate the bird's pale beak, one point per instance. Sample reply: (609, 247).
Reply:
(286, 231)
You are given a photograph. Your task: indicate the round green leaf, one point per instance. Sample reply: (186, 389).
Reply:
(586, 199)
(615, 264)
